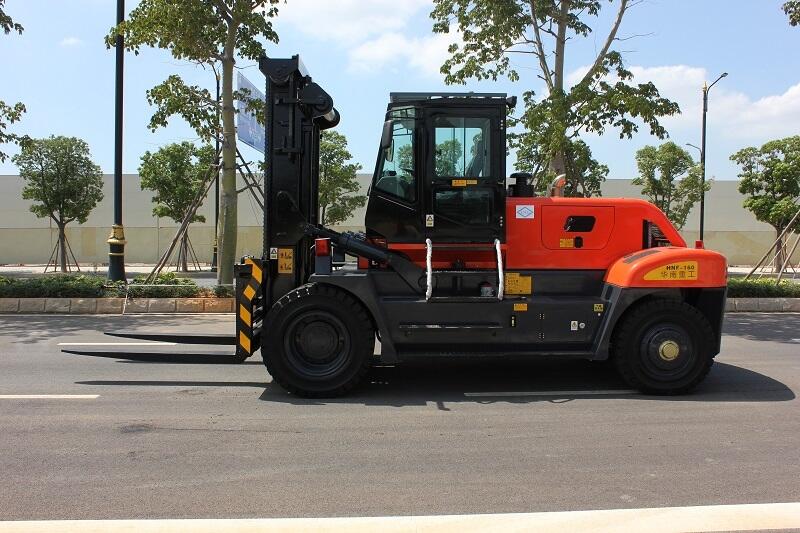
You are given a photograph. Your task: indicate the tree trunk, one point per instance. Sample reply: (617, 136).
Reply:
(184, 253)
(780, 251)
(62, 247)
(228, 226)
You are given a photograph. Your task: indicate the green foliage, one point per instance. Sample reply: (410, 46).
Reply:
(605, 97)
(770, 177)
(53, 286)
(176, 173)
(61, 178)
(337, 179)
(448, 154)
(762, 288)
(792, 10)
(9, 114)
(670, 179)
(585, 175)
(167, 285)
(6, 23)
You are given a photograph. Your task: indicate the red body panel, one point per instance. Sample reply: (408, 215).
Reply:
(541, 242)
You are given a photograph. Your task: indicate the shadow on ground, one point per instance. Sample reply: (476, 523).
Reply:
(445, 381)
(775, 327)
(37, 328)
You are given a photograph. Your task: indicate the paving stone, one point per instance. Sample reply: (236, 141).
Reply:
(746, 304)
(161, 305)
(56, 305)
(109, 306)
(9, 305)
(218, 305)
(770, 305)
(82, 306)
(189, 305)
(136, 305)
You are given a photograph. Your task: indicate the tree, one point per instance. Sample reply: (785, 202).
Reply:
(792, 10)
(176, 173)
(771, 180)
(59, 174)
(670, 179)
(9, 114)
(493, 31)
(211, 33)
(586, 174)
(337, 180)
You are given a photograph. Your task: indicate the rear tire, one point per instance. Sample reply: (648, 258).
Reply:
(318, 341)
(663, 347)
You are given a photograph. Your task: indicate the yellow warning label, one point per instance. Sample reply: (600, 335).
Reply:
(680, 271)
(459, 183)
(285, 260)
(517, 284)
(566, 243)
(521, 307)
(598, 308)
(472, 182)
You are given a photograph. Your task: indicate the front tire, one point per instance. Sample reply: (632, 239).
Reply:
(318, 341)
(663, 347)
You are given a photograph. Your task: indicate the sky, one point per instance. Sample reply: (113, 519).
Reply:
(361, 50)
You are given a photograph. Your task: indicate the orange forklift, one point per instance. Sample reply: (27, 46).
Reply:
(458, 261)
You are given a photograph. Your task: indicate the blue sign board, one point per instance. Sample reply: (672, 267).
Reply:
(248, 129)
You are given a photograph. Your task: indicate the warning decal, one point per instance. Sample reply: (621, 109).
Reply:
(520, 307)
(285, 260)
(428, 221)
(566, 243)
(680, 271)
(517, 284)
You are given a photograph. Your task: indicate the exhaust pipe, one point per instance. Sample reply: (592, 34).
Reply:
(557, 186)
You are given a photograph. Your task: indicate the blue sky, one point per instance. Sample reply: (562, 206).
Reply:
(360, 50)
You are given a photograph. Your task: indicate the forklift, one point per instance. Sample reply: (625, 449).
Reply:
(456, 260)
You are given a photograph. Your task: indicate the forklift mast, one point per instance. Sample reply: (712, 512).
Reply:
(297, 110)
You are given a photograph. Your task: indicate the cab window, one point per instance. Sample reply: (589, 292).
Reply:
(396, 172)
(462, 147)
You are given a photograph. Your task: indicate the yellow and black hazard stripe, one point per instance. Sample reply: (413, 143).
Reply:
(249, 277)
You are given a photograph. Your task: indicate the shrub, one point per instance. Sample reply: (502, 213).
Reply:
(174, 287)
(762, 288)
(53, 286)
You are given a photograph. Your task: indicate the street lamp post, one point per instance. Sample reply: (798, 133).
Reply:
(706, 88)
(116, 241)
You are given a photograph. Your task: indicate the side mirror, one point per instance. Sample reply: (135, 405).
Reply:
(386, 135)
(389, 155)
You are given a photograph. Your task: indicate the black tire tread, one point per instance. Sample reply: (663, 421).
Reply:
(346, 302)
(627, 330)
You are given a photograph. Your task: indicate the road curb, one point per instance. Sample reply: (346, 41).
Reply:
(114, 306)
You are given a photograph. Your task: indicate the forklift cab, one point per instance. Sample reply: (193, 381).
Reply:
(440, 171)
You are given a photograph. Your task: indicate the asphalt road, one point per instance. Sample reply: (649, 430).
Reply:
(178, 432)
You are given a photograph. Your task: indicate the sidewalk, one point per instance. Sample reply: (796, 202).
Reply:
(204, 277)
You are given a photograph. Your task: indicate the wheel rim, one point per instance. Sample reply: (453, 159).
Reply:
(667, 352)
(317, 344)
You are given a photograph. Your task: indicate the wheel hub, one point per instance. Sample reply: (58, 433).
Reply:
(318, 341)
(669, 350)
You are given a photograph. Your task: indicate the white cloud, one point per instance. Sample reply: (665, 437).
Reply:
(397, 51)
(70, 42)
(375, 35)
(735, 115)
(349, 21)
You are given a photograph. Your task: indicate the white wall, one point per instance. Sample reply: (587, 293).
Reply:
(26, 239)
